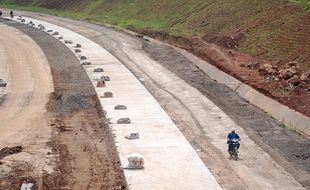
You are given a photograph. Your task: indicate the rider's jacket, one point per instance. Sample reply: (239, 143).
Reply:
(231, 136)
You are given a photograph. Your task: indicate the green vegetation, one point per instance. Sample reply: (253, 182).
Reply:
(273, 29)
(306, 3)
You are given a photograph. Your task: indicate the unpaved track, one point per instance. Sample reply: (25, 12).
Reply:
(80, 140)
(23, 116)
(200, 120)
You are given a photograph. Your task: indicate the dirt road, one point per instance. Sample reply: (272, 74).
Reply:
(77, 138)
(23, 116)
(201, 121)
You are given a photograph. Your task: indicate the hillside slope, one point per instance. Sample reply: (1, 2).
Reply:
(248, 34)
(275, 29)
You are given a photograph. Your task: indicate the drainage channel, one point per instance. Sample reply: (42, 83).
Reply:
(151, 148)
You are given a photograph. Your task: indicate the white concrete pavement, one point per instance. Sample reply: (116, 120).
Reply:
(170, 161)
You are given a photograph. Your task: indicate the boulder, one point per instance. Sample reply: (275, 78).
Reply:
(304, 77)
(98, 70)
(124, 121)
(77, 50)
(86, 63)
(135, 161)
(120, 107)
(108, 95)
(287, 73)
(267, 69)
(105, 78)
(82, 58)
(131, 136)
(253, 65)
(68, 42)
(295, 80)
(100, 84)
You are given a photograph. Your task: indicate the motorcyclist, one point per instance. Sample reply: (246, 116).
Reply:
(231, 136)
(12, 14)
(0, 13)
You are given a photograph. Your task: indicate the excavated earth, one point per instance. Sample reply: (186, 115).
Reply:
(81, 136)
(235, 64)
(289, 149)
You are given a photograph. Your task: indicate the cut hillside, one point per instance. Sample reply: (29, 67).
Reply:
(264, 43)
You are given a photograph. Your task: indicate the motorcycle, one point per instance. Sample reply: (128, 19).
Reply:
(233, 148)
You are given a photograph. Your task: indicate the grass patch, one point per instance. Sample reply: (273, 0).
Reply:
(305, 3)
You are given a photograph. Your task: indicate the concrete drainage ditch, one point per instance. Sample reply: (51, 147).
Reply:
(136, 160)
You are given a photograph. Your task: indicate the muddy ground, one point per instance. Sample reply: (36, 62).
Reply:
(81, 136)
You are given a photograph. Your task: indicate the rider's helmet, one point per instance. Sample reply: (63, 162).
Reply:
(233, 130)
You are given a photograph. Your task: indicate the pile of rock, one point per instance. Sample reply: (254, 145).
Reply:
(290, 72)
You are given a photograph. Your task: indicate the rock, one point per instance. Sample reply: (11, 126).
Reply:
(68, 42)
(108, 95)
(49, 30)
(83, 58)
(22, 20)
(295, 80)
(105, 78)
(124, 121)
(78, 45)
(286, 73)
(304, 77)
(293, 64)
(255, 65)
(86, 63)
(2, 83)
(55, 33)
(77, 50)
(268, 69)
(100, 84)
(98, 70)
(135, 161)
(139, 36)
(132, 136)
(60, 37)
(120, 107)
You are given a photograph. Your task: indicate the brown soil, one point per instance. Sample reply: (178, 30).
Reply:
(82, 141)
(230, 61)
(290, 150)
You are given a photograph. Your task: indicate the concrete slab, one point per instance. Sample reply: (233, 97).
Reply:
(170, 161)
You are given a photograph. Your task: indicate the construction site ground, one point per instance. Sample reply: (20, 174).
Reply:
(75, 131)
(272, 157)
